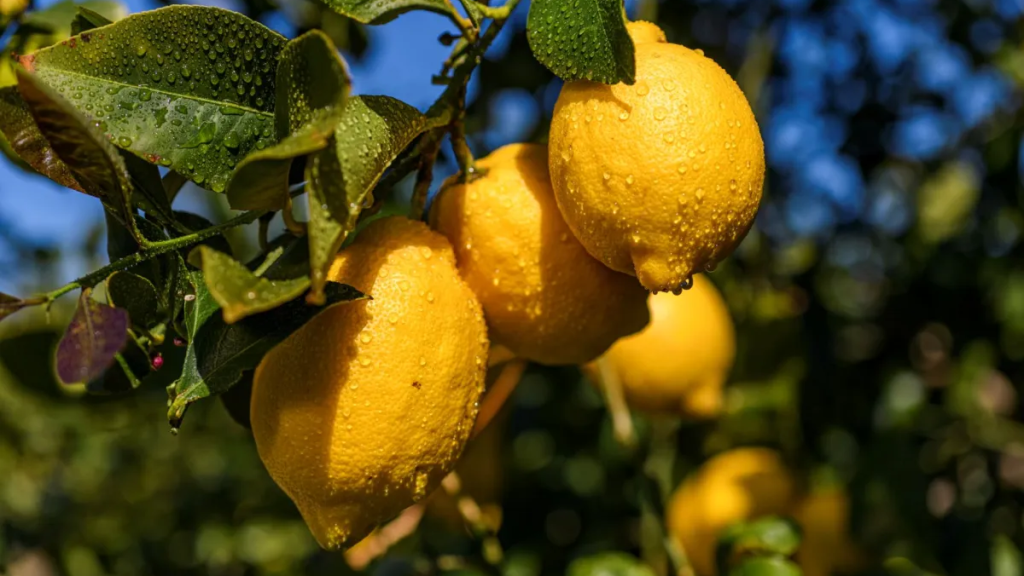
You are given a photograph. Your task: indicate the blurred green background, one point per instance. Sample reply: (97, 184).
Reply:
(879, 305)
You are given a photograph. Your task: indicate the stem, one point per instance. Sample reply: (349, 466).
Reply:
(622, 421)
(495, 397)
(424, 178)
(465, 26)
(152, 250)
(498, 13)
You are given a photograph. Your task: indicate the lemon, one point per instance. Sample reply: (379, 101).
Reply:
(480, 482)
(681, 360)
(827, 547)
(731, 487)
(362, 411)
(543, 296)
(661, 179)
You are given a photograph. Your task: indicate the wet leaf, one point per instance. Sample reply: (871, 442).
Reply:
(383, 11)
(187, 87)
(582, 39)
(373, 132)
(96, 334)
(92, 161)
(312, 86)
(136, 295)
(239, 292)
(219, 353)
(26, 141)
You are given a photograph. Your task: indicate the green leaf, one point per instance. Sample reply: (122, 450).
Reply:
(238, 398)
(373, 132)
(149, 195)
(27, 142)
(383, 11)
(609, 564)
(312, 86)
(93, 163)
(218, 353)
(239, 292)
(767, 536)
(97, 332)
(1006, 557)
(136, 295)
(86, 19)
(196, 222)
(766, 566)
(582, 39)
(187, 87)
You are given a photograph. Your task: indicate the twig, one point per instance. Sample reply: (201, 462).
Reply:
(152, 250)
(622, 421)
(497, 394)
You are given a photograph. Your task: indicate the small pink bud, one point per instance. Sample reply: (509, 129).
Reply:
(157, 362)
(179, 342)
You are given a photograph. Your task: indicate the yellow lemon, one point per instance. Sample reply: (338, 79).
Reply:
(827, 547)
(544, 297)
(681, 360)
(661, 179)
(480, 484)
(734, 486)
(362, 411)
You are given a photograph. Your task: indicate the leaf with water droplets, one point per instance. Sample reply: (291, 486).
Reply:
(219, 353)
(186, 87)
(91, 161)
(383, 11)
(312, 86)
(239, 292)
(582, 39)
(373, 132)
(96, 334)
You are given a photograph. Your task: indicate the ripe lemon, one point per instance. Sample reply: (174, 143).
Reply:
(681, 360)
(827, 547)
(544, 297)
(731, 487)
(661, 179)
(363, 411)
(480, 482)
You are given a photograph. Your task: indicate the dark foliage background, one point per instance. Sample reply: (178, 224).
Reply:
(879, 303)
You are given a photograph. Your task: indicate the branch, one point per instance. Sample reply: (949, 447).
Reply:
(152, 250)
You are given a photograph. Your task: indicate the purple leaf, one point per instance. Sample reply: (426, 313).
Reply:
(89, 346)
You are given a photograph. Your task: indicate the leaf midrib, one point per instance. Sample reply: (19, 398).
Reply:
(159, 91)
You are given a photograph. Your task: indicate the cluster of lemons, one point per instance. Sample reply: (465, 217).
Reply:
(553, 253)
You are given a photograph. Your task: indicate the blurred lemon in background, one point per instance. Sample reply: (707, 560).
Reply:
(367, 407)
(544, 297)
(737, 485)
(827, 547)
(663, 178)
(681, 360)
